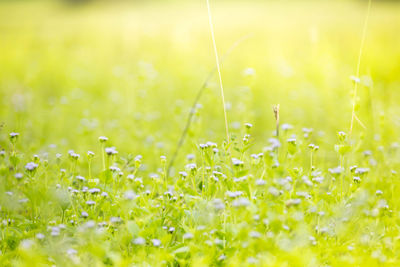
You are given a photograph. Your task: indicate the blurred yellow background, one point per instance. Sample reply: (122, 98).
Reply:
(130, 68)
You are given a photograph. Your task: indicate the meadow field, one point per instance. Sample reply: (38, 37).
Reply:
(94, 99)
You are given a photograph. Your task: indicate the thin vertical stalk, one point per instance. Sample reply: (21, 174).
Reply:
(353, 112)
(219, 72)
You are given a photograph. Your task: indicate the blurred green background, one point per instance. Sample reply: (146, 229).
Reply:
(131, 69)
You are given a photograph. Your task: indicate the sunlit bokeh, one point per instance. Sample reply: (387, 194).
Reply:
(316, 187)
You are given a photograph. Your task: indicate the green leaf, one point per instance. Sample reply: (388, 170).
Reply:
(133, 228)
(184, 249)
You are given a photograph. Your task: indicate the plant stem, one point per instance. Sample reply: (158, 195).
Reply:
(353, 112)
(219, 75)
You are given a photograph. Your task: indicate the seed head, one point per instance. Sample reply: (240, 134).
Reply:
(274, 143)
(94, 191)
(255, 234)
(286, 127)
(73, 155)
(13, 137)
(293, 202)
(234, 194)
(40, 236)
(248, 125)
(336, 171)
(191, 166)
(111, 151)
(355, 79)
(183, 174)
(139, 241)
(90, 203)
(188, 236)
(292, 141)
(218, 204)
(80, 178)
(341, 136)
(190, 157)
(313, 147)
(103, 139)
(156, 242)
(90, 224)
(203, 146)
(31, 166)
(114, 169)
(237, 162)
(241, 202)
(115, 220)
(260, 182)
(163, 159)
(129, 195)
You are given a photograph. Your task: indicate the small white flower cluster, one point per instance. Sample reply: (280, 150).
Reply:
(31, 166)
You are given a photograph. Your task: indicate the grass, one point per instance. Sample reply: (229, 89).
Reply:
(94, 100)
